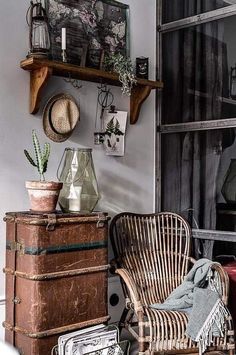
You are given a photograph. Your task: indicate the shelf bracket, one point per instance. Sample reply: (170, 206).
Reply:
(138, 95)
(38, 79)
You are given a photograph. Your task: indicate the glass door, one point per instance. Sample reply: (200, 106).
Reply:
(197, 123)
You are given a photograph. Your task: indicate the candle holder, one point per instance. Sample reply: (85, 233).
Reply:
(64, 56)
(80, 188)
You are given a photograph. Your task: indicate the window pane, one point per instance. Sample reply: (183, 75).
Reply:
(197, 64)
(177, 9)
(194, 166)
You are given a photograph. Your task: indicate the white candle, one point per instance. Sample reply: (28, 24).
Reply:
(74, 205)
(63, 38)
(74, 198)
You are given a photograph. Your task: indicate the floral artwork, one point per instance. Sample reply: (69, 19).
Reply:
(97, 25)
(114, 132)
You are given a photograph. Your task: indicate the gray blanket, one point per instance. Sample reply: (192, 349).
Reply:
(198, 297)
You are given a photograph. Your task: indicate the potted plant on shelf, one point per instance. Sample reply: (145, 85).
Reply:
(123, 66)
(43, 194)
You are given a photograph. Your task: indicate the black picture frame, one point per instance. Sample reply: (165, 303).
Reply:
(94, 58)
(97, 26)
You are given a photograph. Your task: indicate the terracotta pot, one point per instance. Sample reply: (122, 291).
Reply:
(43, 195)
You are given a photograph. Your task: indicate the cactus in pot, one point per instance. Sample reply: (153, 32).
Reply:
(41, 157)
(43, 194)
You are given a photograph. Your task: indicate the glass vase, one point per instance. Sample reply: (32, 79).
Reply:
(80, 188)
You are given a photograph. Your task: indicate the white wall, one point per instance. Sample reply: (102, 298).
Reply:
(126, 183)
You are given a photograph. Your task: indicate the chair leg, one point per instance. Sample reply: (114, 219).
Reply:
(122, 319)
(141, 332)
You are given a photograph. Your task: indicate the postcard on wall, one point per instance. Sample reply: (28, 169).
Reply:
(114, 126)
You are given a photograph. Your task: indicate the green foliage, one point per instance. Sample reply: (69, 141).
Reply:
(123, 66)
(110, 127)
(117, 130)
(113, 128)
(41, 156)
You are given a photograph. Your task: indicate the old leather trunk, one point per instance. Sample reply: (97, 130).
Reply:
(56, 277)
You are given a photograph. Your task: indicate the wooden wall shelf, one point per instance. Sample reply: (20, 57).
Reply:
(42, 69)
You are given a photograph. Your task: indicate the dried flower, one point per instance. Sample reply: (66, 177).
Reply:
(123, 66)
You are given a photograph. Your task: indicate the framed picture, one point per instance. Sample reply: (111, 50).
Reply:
(94, 58)
(100, 26)
(114, 124)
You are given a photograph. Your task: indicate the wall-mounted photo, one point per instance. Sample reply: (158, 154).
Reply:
(114, 124)
(94, 26)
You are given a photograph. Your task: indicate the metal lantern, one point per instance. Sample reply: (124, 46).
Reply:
(80, 187)
(39, 39)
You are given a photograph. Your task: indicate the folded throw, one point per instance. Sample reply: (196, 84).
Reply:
(198, 297)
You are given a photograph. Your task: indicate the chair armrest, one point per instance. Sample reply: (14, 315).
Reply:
(223, 279)
(192, 260)
(131, 286)
(113, 266)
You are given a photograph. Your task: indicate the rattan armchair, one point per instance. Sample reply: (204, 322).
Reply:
(152, 256)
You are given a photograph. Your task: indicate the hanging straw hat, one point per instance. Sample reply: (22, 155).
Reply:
(60, 117)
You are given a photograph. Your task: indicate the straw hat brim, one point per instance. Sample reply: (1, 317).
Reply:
(48, 127)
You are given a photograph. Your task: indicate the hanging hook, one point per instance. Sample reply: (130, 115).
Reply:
(73, 82)
(103, 87)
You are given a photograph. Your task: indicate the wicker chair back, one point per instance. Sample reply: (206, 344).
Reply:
(154, 249)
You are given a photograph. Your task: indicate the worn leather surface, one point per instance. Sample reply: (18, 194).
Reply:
(46, 305)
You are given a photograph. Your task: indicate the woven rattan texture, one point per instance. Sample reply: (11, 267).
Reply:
(152, 256)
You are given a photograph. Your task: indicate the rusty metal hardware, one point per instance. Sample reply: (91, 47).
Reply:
(60, 218)
(9, 219)
(52, 221)
(16, 300)
(101, 220)
(8, 271)
(16, 247)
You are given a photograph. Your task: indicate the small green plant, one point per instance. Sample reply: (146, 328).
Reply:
(113, 128)
(123, 66)
(41, 156)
